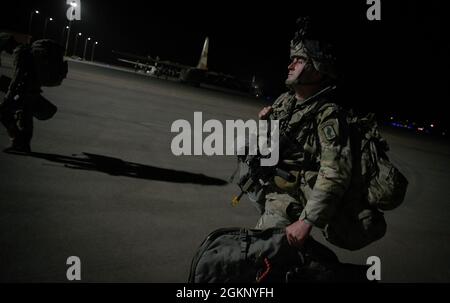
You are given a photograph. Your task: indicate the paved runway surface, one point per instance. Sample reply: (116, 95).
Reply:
(103, 185)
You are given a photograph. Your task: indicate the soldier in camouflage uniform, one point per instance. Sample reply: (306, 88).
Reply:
(319, 154)
(36, 65)
(16, 111)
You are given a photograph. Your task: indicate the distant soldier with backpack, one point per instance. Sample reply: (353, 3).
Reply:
(36, 65)
(340, 177)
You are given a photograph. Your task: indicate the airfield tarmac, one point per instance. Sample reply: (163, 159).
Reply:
(103, 185)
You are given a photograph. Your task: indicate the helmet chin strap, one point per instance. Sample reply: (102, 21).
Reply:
(302, 79)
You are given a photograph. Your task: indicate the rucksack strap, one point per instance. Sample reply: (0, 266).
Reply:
(318, 107)
(243, 236)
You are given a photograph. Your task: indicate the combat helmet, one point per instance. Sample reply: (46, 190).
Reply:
(309, 42)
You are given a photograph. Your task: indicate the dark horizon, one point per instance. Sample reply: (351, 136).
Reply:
(392, 66)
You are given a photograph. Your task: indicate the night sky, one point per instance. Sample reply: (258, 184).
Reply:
(397, 65)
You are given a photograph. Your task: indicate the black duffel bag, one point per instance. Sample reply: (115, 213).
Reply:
(239, 255)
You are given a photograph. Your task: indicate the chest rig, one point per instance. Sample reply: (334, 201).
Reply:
(299, 142)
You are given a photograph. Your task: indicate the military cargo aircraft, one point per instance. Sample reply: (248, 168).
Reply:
(193, 75)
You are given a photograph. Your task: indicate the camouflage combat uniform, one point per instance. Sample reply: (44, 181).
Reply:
(318, 152)
(318, 155)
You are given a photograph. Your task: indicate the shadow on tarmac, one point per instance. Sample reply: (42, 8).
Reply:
(118, 167)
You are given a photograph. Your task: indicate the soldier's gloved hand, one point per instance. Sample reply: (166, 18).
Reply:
(298, 232)
(264, 113)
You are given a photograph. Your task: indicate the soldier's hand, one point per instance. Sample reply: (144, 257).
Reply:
(298, 232)
(264, 113)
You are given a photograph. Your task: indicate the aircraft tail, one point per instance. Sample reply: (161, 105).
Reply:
(203, 62)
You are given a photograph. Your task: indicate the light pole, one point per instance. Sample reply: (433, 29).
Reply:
(67, 38)
(63, 32)
(31, 20)
(93, 50)
(75, 44)
(45, 25)
(73, 4)
(85, 46)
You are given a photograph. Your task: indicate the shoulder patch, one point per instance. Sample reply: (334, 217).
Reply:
(329, 132)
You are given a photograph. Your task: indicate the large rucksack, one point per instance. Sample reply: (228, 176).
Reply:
(377, 185)
(48, 58)
(380, 182)
(386, 185)
(239, 255)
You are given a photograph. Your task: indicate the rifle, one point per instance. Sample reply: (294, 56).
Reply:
(259, 176)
